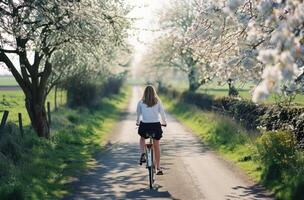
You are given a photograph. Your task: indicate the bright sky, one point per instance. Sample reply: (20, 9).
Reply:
(145, 14)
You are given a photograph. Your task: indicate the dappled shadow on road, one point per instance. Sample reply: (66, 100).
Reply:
(116, 176)
(147, 193)
(176, 144)
(255, 192)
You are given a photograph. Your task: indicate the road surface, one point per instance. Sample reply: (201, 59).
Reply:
(191, 171)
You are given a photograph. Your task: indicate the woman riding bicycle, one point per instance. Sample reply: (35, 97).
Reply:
(149, 108)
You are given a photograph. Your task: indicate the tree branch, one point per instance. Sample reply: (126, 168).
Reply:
(14, 71)
(5, 12)
(8, 50)
(45, 75)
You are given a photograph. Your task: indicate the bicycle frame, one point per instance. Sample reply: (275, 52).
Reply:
(149, 153)
(150, 160)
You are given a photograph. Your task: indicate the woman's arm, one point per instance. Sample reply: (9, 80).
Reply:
(138, 112)
(162, 113)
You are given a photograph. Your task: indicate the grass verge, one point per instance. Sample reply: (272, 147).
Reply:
(34, 168)
(270, 158)
(220, 133)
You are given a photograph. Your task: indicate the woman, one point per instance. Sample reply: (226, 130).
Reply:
(149, 108)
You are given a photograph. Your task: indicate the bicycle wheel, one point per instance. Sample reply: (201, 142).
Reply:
(151, 170)
(151, 177)
(150, 166)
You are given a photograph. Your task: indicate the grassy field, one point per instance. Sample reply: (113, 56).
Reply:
(7, 81)
(13, 101)
(269, 158)
(40, 169)
(221, 90)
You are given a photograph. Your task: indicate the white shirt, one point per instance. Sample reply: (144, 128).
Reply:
(150, 114)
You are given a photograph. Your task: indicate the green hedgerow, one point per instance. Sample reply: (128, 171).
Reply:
(277, 152)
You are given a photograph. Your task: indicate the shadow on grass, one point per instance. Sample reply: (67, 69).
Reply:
(47, 165)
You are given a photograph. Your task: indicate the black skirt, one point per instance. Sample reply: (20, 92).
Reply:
(146, 128)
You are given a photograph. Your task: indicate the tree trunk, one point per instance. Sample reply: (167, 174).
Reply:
(33, 81)
(37, 113)
(193, 80)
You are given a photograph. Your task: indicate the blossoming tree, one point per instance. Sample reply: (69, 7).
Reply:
(253, 40)
(261, 41)
(32, 31)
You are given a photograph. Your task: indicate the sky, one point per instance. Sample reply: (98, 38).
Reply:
(145, 14)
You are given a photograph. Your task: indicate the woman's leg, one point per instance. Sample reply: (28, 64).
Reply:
(157, 153)
(142, 145)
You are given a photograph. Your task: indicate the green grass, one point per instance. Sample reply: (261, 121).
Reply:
(13, 101)
(220, 133)
(46, 166)
(270, 158)
(7, 81)
(221, 90)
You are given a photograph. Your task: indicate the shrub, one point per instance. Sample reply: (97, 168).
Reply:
(10, 154)
(112, 86)
(81, 94)
(249, 114)
(203, 101)
(10, 142)
(298, 179)
(5, 165)
(12, 192)
(245, 112)
(87, 93)
(277, 151)
(73, 118)
(285, 118)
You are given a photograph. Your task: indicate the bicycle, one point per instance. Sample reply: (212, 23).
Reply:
(150, 157)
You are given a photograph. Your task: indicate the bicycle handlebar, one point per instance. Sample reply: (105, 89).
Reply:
(164, 125)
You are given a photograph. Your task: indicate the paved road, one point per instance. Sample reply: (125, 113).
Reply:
(191, 170)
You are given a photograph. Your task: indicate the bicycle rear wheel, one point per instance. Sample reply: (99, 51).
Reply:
(151, 177)
(150, 167)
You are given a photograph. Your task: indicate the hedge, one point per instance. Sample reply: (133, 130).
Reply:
(252, 116)
(87, 93)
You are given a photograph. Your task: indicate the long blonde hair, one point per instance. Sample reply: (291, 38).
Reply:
(150, 97)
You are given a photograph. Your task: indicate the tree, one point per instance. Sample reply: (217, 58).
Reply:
(175, 22)
(253, 40)
(33, 30)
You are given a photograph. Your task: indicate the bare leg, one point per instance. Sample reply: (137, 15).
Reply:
(157, 153)
(142, 145)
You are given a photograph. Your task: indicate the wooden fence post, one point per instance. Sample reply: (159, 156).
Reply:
(49, 112)
(20, 123)
(3, 121)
